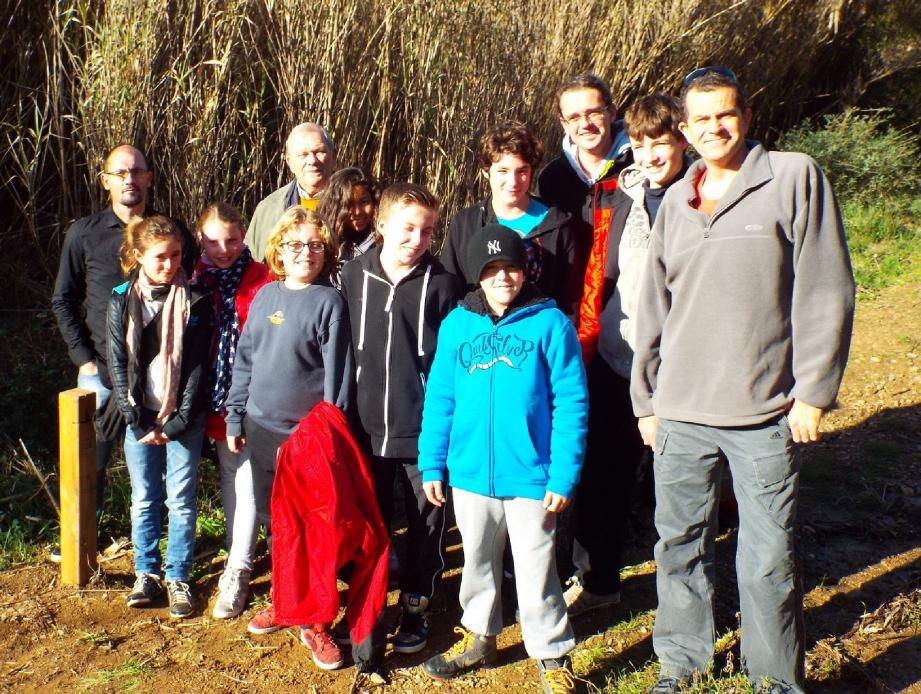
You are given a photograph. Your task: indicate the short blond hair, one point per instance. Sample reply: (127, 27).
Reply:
(403, 195)
(295, 217)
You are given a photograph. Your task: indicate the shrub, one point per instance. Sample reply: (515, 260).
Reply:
(866, 159)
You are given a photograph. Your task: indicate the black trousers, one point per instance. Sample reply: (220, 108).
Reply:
(602, 503)
(263, 447)
(425, 523)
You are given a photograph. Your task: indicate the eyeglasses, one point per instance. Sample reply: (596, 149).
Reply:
(701, 71)
(124, 173)
(594, 116)
(296, 247)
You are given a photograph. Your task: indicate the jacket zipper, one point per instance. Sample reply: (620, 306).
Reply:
(491, 439)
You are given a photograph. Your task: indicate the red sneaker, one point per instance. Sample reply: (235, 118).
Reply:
(264, 622)
(326, 653)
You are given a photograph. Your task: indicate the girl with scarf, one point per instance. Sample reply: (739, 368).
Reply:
(158, 344)
(229, 273)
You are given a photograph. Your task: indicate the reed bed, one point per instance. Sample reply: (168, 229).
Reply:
(209, 89)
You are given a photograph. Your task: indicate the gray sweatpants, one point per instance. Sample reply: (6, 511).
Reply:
(485, 523)
(765, 477)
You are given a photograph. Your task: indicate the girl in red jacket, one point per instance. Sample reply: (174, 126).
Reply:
(228, 271)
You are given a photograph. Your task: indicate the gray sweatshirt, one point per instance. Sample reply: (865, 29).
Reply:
(743, 312)
(294, 352)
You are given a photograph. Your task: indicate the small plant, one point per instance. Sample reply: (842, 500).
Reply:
(126, 676)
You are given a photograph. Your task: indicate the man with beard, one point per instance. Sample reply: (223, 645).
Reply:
(310, 155)
(88, 272)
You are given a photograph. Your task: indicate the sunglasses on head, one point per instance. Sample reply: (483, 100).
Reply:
(701, 71)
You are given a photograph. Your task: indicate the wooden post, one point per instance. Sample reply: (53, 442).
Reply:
(78, 485)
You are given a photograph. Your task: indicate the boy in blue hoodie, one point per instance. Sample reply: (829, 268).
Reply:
(504, 422)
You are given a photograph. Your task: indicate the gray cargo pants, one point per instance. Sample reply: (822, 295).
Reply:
(765, 475)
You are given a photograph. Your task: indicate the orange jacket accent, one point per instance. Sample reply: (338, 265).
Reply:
(591, 304)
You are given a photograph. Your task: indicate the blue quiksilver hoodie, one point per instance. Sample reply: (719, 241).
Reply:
(506, 407)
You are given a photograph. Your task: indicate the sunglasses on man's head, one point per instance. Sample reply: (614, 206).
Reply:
(701, 71)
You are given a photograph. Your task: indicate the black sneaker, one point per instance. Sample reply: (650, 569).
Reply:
(146, 589)
(413, 634)
(472, 651)
(180, 599)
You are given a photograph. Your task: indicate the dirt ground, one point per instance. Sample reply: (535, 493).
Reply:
(859, 539)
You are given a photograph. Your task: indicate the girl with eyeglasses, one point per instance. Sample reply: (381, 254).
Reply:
(294, 352)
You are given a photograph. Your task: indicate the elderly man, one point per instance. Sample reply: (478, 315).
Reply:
(88, 271)
(744, 323)
(311, 158)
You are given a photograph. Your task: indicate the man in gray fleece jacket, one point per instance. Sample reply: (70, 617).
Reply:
(744, 323)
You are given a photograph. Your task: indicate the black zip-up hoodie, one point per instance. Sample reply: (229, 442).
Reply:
(555, 237)
(394, 333)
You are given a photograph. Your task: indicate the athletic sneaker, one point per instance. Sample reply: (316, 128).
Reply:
(341, 634)
(556, 676)
(579, 600)
(472, 651)
(147, 588)
(667, 685)
(234, 586)
(180, 599)
(264, 622)
(325, 652)
(413, 634)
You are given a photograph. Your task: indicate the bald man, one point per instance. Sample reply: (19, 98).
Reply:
(88, 272)
(311, 158)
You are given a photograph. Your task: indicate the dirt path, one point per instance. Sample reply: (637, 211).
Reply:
(860, 540)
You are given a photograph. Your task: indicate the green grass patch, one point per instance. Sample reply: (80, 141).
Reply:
(884, 241)
(126, 677)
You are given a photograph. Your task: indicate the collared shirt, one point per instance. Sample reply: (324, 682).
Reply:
(88, 272)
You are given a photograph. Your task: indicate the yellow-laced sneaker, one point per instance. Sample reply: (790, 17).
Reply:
(556, 676)
(473, 650)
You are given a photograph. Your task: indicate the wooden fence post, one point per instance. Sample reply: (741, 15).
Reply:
(78, 485)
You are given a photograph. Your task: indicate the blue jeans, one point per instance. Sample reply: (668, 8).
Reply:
(765, 477)
(176, 464)
(103, 448)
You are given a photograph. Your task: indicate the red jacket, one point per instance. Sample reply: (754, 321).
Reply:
(325, 514)
(254, 277)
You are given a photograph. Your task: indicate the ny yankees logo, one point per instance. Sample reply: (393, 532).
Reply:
(492, 247)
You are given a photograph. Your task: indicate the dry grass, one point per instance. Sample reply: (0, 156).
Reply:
(210, 87)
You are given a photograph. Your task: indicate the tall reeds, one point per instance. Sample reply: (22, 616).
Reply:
(209, 88)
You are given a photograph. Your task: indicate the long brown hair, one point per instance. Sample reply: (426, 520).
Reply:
(142, 233)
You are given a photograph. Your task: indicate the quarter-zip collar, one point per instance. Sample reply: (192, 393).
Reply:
(755, 172)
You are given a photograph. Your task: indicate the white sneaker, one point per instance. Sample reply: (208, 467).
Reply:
(234, 587)
(579, 600)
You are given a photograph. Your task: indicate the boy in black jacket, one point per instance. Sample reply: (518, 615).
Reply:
(398, 294)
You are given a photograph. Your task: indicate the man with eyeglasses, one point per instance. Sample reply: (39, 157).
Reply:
(310, 156)
(743, 328)
(89, 270)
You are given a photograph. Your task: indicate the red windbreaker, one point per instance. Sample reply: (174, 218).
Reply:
(325, 514)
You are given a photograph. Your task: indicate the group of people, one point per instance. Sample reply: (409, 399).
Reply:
(637, 298)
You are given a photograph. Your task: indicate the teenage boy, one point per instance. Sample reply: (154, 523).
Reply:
(398, 294)
(509, 156)
(615, 448)
(504, 423)
(743, 326)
